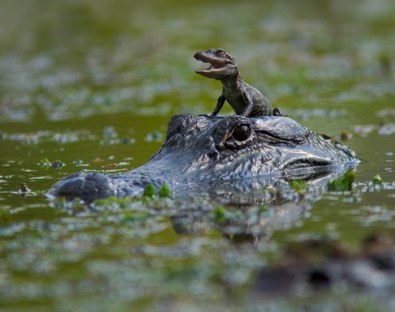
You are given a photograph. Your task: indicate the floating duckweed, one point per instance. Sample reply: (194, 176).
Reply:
(45, 163)
(263, 208)
(122, 202)
(165, 190)
(299, 186)
(220, 214)
(154, 136)
(377, 180)
(110, 137)
(135, 216)
(342, 184)
(149, 190)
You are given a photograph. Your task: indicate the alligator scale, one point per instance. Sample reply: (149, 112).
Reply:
(212, 150)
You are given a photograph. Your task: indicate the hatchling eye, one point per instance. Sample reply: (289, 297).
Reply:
(241, 132)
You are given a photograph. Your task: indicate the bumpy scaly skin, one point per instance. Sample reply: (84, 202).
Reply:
(213, 150)
(244, 99)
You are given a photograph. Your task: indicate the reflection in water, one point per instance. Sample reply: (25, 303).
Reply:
(322, 264)
(248, 212)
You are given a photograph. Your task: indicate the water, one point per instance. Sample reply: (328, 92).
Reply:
(93, 85)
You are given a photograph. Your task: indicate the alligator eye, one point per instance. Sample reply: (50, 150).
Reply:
(241, 132)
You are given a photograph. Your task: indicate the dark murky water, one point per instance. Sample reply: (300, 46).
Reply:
(92, 85)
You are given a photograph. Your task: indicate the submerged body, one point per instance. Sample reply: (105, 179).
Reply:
(212, 150)
(244, 99)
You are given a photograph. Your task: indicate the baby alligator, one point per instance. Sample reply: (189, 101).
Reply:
(244, 99)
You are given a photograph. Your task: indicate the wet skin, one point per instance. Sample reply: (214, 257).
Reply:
(202, 150)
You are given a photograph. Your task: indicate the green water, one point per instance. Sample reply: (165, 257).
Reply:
(93, 83)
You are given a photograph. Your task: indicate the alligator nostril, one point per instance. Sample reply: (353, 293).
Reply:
(212, 151)
(213, 154)
(242, 133)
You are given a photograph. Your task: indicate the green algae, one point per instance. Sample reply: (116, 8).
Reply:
(220, 214)
(119, 202)
(299, 186)
(149, 191)
(377, 180)
(342, 184)
(165, 190)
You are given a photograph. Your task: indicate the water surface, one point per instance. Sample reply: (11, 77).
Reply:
(93, 84)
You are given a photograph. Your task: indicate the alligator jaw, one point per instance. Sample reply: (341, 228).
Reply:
(218, 66)
(215, 62)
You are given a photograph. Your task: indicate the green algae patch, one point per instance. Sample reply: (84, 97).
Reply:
(119, 202)
(149, 191)
(220, 214)
(342, 184)
(45, 163)
(150, 196)
(299, 186)
(135, 216)
(111, 137)
(377, 180)
(165, 190)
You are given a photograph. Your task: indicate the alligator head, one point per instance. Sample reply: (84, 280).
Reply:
(222, 64)
(216, 150)
(235, 147)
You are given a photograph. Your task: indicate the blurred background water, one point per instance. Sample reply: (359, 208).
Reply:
(93, 83)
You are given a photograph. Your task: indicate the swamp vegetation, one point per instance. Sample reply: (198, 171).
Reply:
(90, 85)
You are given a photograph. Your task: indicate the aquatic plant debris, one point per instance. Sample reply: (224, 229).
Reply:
(110, 137)
(377, 180)
(342, 184)
(42, 136)
(220, 214)
(45, 163)
(154, 136)
(299, 186)
(165, 190)
(150, 191)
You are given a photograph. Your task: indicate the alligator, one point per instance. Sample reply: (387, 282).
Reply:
(205, 151)
(244, 99)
